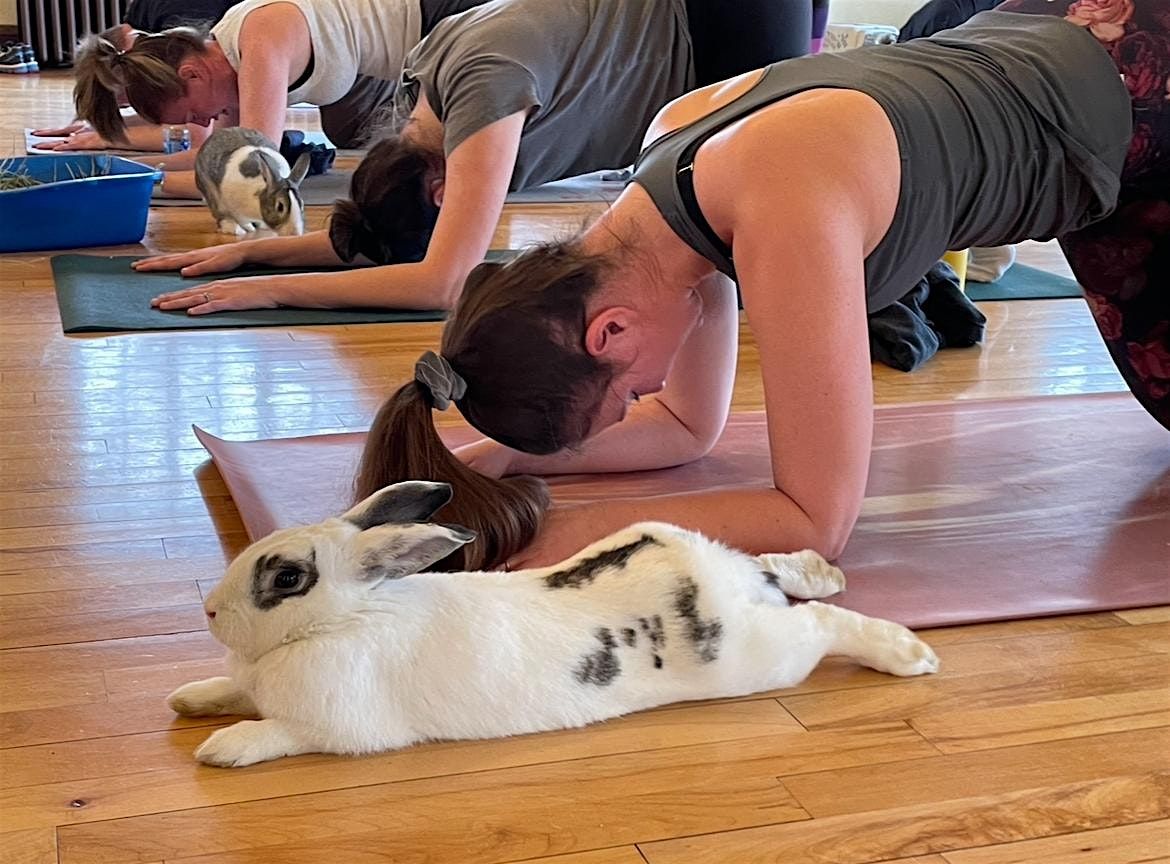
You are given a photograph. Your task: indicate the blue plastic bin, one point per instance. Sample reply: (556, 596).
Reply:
(104, 202)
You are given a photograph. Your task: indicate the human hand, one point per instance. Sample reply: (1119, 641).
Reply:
(486, 456)
(198, 262)
(255, 292)
(75, 126)
(76, 141)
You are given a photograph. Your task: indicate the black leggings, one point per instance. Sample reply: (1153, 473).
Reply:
(731, 37)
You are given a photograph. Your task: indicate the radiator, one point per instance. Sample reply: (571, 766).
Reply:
(53, 27)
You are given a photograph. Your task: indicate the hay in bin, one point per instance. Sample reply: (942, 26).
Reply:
(20, 178)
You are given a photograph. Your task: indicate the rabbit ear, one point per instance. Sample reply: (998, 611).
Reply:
(401, 503)
(265, 169)
(300, 170)
(394, 551)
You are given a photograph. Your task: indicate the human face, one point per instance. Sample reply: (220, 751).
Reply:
(655, 340)
(203, 101)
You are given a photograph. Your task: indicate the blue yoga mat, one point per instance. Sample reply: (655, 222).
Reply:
(1022, 282)
(99, 294)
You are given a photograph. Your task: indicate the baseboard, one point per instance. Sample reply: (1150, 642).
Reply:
(8, 32)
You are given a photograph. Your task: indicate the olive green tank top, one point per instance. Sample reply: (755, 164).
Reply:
(1009, 127)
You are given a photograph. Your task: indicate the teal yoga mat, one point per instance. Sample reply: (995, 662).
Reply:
(98, 294)
(1022, 282)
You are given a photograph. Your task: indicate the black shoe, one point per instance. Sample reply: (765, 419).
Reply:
(12, 59)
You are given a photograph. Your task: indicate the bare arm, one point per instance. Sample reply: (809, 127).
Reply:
(140, 135)
(478, 173)
(800, 259)
(275, 49)
(308, 250)
(808, 305)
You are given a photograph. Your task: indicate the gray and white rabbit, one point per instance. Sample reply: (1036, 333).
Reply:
(341, 643)
(248, 185)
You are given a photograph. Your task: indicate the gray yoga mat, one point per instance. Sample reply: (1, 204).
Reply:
(323, 189)
(97, 294)
(327, 188)
(1022, 282)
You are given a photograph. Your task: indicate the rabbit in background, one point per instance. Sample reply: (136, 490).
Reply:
(248, 185)
(342, 645)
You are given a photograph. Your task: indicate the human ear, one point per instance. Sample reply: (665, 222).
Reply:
(611, 334)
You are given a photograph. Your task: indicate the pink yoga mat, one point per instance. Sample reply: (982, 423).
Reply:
(975, 511)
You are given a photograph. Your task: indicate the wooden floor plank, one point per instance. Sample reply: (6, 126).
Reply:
(894, 832)
(616, 855)
(1009, 726)
(35, 846)
(172, 748)
(1153, 615)
(100, 577)
(940, 636)
(1143, 843)
(64, 629)
(122, 713)
(551, 809)
(1000, 771)
(313, 780)
(916, 698)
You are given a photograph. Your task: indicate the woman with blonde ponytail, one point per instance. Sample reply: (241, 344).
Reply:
(262, 56)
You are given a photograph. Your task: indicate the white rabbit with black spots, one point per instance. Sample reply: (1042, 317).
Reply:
(248, 185)
(341, 645)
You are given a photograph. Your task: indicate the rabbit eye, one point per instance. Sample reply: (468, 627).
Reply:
(286, 578)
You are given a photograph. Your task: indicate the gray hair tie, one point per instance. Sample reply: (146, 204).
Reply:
(443, 383)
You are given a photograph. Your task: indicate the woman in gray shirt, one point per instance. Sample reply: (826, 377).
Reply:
(1011, 126)
(510, 94)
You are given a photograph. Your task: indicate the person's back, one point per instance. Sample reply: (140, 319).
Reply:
(567, 65)
(961, 103)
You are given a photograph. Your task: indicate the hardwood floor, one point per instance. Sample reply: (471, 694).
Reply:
(1042, 741)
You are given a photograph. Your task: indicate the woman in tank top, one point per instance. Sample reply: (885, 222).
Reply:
(616, 351)
(508, 95)
(261, 57)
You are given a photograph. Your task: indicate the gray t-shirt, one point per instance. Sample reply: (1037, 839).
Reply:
(590, 73)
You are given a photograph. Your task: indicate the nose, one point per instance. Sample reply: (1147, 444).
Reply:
(210, 613)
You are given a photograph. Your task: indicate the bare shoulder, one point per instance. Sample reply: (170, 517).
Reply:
(699, 103)
(827, 157)
(267, 27)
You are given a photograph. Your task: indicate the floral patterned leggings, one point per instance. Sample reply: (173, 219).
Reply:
(1123, 261)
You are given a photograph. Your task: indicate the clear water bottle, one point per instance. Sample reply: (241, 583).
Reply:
(176, 139)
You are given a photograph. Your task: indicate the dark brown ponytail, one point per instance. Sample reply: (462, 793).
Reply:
(403, 445)
(516, 339)
(390, 215)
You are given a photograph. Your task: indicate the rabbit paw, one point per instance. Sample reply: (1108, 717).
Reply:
(906, 655)
(212, 697)
(805, 574)
(249, 742)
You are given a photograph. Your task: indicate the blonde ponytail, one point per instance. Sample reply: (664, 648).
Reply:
(145, 75)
